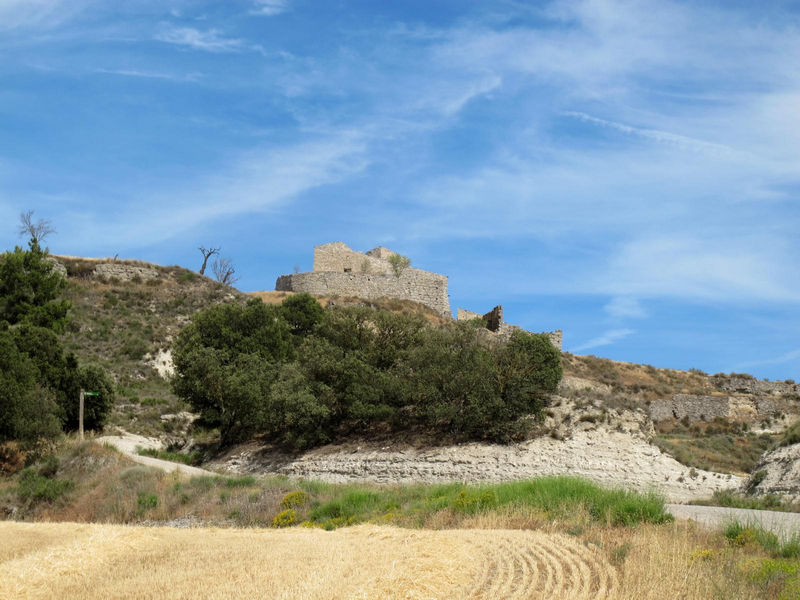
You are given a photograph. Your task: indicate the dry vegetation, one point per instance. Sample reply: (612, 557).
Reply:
(649, 562)
(394, 305)
(516, 540)
(118, 324)
(644, 382)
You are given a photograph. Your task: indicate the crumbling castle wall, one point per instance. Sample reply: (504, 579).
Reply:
(341, 271)
(337, 257)
(494, 323)
(735, 407)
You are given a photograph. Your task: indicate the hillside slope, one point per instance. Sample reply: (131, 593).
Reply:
(127, 312)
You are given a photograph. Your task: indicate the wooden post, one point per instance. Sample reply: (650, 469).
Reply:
(80, 416)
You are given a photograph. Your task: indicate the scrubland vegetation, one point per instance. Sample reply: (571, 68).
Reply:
(302, 376)
(721, 445)
(627, 536)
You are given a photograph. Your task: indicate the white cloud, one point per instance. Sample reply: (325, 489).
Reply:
(258, 181)
(270, 8)
(209, 41)
(148, 74)
(735, 268)
(608, 338)
(38, 13)
(663, 137)
(625, 307)
(792, 356)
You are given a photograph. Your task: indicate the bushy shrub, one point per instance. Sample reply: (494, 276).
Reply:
(303, 377)
(293, 499)
(35, 487)
(145, 502)
(285, 518)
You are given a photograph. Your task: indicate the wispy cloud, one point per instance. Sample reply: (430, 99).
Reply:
(664, 137)
(150, 74)
(788, 357)
(209, 41)
(625, 307)
(269, 8)
(258, 181)
(39, 13)
(608, 338)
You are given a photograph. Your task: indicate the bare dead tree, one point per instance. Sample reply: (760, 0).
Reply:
(207, 253)
(38, 230)
(224, 271)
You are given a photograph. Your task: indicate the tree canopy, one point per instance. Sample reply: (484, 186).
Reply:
(302, 376)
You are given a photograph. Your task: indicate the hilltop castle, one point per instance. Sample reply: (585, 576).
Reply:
(341, 271)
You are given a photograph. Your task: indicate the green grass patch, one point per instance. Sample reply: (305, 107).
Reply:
(34, 487)
(733, 500)
(744, 534)
(557, 497)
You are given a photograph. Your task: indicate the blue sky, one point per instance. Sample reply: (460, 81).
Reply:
(627, 171)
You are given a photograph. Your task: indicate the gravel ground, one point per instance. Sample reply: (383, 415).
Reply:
(783, 524)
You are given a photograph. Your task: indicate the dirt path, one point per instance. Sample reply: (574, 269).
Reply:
(782, 524)
(68, 560)
(128, 443)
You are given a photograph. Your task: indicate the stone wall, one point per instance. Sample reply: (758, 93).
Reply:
(463, 314)
(419, 286)
(706, 408)
(494, 322)
(337, 257)
(341, 271)
(751, 385)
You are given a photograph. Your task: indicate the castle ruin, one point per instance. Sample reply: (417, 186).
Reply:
(341, 271)
(494, 323)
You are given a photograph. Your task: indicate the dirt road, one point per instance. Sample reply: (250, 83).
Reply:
(128, 444)
(782, 524)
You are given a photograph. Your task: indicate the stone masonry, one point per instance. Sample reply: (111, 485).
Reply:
(739, 407)
(494, 322)
(341, 271)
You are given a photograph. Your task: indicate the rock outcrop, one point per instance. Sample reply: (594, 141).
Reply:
(611, 449)
(778, 472)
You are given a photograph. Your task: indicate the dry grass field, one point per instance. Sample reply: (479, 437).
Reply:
(66, 560)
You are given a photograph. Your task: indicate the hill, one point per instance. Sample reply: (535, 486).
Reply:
(127, 312)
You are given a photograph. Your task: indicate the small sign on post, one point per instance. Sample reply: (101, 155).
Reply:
(80, 410)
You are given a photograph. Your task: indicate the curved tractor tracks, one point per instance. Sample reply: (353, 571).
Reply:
(532, 564)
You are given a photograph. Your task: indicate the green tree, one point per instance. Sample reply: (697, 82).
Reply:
(27, 411)
(399, 263)
(30, 288)
(303, 313)
(39, 383)
(225, 359)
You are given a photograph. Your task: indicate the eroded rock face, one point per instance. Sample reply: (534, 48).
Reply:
(781, 473)
(615, 452)
(124, 272)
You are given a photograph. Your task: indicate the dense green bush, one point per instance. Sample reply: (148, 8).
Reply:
(302, 376)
